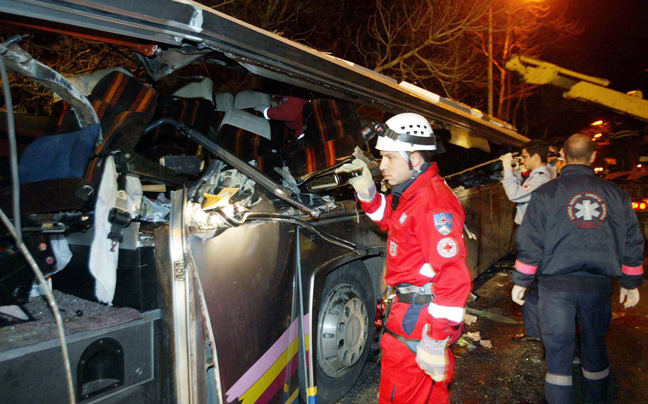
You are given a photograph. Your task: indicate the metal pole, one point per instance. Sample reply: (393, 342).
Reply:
(490, 59)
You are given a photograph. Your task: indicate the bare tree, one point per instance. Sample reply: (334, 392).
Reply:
(280, 16)
(442, 45)
(528, 29)
(424, 41)
(67, 55)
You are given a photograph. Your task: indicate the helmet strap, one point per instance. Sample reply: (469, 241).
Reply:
(406, 157)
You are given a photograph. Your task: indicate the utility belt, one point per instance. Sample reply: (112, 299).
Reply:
(414, 294)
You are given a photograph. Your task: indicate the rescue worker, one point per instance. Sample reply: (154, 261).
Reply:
(289, 110)
(534, 158)
(578, 232)
(425, 263)
(555, 163)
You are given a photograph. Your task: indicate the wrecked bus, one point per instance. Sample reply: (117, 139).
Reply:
(201, 253)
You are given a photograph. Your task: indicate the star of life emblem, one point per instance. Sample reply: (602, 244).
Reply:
(587, 210)
(447, 247)
(443, 223)
(393, 248)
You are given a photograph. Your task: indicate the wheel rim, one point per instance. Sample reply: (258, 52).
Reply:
(342, 331)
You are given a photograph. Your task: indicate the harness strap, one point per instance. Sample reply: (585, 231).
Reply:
(414, 298)
(421, 290)
(410, 342)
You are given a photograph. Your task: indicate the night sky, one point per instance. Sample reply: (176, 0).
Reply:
(614, 44)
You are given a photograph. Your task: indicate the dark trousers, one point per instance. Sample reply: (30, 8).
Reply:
(530, 314)
(562, 300)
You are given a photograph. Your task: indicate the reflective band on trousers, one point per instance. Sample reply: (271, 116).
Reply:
(558, 380)
(596, 375)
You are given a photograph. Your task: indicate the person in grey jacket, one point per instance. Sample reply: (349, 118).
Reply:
(534, 157)
(578, 232)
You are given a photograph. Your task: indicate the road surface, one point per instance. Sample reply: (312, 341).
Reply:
(513, 370)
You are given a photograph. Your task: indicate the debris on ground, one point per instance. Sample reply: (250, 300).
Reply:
(475, 336)
(616, 316)
(492, 316)
(464, 342)
(469, 319)
(486, 343)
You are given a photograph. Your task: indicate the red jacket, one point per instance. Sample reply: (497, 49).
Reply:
(289, 111)
(425, 244)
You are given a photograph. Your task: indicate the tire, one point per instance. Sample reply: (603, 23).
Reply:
(345, 329)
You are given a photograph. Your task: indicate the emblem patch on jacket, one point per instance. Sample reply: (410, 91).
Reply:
(393, 249)
(447, 247)
(443, 223)
(402, 218)
(587, 210)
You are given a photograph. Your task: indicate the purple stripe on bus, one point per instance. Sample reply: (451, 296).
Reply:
(266, 361)
(281, 379)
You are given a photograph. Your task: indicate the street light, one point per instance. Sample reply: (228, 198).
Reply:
(598, 135)
(597, 123)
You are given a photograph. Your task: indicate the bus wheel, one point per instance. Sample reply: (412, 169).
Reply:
(345, 330)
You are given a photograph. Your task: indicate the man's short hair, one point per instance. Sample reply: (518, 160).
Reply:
(579, 148)
(538, 147)
(557, 143)
(426, 155)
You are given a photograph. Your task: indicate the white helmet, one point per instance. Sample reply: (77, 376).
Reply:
(408, 127)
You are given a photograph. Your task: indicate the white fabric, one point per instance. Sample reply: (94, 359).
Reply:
(378, 214)
(103, 262)
(455, 314)
(427, 270)
(61, 250)
(134, 192)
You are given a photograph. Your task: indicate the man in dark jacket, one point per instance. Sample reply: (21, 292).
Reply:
(578, 232)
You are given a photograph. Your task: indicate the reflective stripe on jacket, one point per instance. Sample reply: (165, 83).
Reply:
(425, 243)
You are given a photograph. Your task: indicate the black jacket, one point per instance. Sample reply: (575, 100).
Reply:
(579, 225)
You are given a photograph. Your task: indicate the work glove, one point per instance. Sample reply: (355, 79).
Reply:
(517, 294)
(363, 184)
(632, 296)
(507, 161)
(431, 356)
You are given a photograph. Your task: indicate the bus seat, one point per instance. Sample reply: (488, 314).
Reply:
(327, 119)
(166, 140)
(314, 158)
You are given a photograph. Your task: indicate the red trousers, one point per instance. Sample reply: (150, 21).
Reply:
(401, 380)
